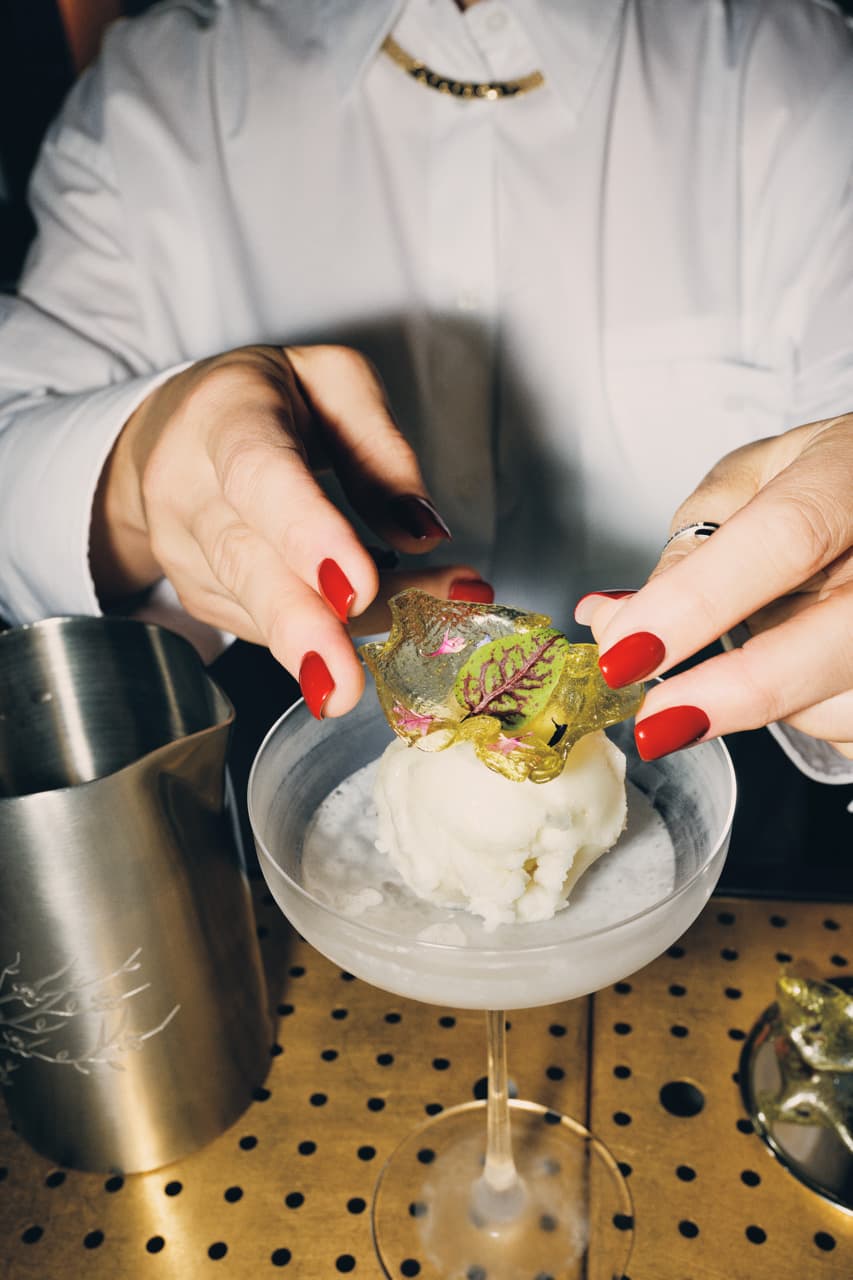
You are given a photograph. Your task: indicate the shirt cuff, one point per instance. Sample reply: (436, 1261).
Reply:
(51, 458)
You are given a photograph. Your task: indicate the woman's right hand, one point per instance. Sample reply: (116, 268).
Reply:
(211, 484)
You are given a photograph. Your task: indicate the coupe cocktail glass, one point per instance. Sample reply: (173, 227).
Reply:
(509, 1190)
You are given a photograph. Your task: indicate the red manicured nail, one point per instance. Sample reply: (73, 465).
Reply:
(632, 658)
(608, 595)
(473, 589)
(316, 683)
(335, 588)
(669, 730)
(419, 518)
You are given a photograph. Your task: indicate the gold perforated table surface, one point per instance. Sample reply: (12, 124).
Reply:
(287, 1189)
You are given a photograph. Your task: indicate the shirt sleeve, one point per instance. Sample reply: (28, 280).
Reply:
(73, 367)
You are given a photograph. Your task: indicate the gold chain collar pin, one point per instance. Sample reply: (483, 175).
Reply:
(488, 89)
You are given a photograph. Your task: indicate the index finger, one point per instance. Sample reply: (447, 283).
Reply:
(797, 524)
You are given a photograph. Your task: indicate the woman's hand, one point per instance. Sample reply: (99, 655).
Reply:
(782, 562)
(211, 483)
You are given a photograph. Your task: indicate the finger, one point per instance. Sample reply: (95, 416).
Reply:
(377, 467)
(830, 720)
(798, 523)
(291, 618)
(265, 480)
(454, 582)
(776, 674)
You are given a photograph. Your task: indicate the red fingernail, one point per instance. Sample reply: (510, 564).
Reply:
(335, 588)
(632, 658)
(608, 595)
(669, 730)
(473, 589)
(419, 517)
(316, 683)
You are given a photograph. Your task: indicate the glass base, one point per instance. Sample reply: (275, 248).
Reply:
(433, 1216)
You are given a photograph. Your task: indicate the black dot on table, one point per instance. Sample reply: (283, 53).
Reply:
(417, 1209)
(276, 1050)
(155, 1244)
(440, 1064)
(623, 1221)
(93, 1240)
(725, 917)
(548, 1223)
(375, 1104)
(294, 1199)
(447, 1020)
(755, 1235)
(233, 1194)
(345, 1262)
(833, 925)
(681, 1098)
(356, 1205)
(318, 1099)
(55, 1179)
(622, 1028)
(433, 1108)
(426, 1155)
(840, 962)
(217, 1250)
(676, 989)
(262, 932)
(824, 1241)
(622, 988)
(280, 1257)
(621, 1072)
(410, 1267)
(621, 1118)
(384, 1059)
(736, 1077)
(32, 1235)
(480, 1089)
(248, 1142)
(744, 1126)
(329, 1055)
(736, 1034)
(679, 1031)
(347, 977)
(783, 957)
(688, 1229)
(260, 1094)
(778, 922)
(551, 1117)
(297, 971)
(339, 1014)
(366, 1153)
(750, 1178)
(393, 1017)
(684, 1173)
(115, 1183)
(173, 1188)
(733, 993)
(557, 1029)
(625, 1169)
(729, 953)
(555, 1073)
(285, 1010)
(475, 1273)
(676, 952)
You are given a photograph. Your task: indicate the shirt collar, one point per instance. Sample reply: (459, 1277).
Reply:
(571, 39)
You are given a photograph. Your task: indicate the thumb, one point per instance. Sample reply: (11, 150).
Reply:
(449, 582)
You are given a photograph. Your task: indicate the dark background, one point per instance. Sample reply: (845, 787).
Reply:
(792, 837)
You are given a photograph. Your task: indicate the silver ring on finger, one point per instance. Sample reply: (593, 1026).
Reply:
(697, 529)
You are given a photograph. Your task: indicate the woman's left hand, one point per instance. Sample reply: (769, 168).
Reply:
(782, 562)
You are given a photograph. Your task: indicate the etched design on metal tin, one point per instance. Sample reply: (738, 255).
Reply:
(32, 1014)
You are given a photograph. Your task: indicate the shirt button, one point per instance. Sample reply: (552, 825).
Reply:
(467, 300)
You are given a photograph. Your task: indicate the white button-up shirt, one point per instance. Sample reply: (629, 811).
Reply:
(578, 299)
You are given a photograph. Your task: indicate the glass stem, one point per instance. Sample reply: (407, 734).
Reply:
(499, 1172)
